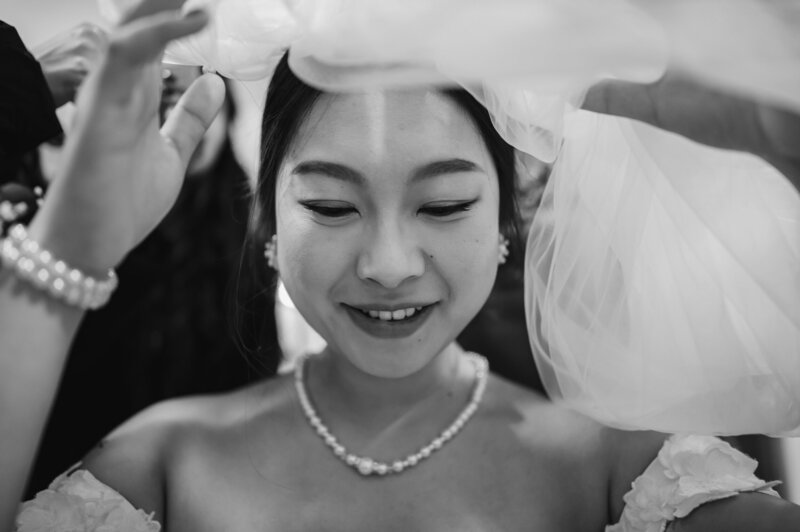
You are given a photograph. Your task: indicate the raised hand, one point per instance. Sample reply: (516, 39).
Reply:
(120, 174)
(67, 58)
(686, 106)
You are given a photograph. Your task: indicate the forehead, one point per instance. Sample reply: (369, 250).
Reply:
(397, 125)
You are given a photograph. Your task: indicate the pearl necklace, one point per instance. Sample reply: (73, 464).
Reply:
(367, 466)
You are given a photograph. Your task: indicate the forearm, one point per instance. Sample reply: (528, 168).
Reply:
(119, 178)
(683, 105)
(746, 512)
(35, 333)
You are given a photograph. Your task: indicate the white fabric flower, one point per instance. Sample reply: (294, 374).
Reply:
(688, 472)
(704, 466)
(78, 502)
(51, 511)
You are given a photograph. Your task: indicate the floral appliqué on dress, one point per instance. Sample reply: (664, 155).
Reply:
(77, 502)
(688, 472)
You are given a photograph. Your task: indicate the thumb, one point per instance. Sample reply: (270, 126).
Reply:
(144, 39)
(189, 120)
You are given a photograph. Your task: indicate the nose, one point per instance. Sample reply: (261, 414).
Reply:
(391, 256)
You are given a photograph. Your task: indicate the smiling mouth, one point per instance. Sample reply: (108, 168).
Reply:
(390, 323)
(391, 315)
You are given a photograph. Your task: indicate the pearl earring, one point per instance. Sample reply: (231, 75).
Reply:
(502, 250)
(271, 252)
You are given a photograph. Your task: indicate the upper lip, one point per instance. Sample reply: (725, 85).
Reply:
(387, 306)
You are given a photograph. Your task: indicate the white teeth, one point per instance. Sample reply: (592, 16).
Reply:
(392, 315)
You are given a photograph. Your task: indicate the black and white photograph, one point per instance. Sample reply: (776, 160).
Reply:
(400, 265)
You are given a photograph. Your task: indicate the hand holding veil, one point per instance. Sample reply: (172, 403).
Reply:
(121, 174)
(663, 275)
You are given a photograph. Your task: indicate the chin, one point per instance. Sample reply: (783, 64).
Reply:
(403, 359)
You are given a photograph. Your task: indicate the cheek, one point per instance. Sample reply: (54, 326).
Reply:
(310, 260)
(302, 251)
(469, 257)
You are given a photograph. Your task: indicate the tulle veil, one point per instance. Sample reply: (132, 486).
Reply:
(662, 276)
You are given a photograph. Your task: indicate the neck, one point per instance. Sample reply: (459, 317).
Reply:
(336, 384)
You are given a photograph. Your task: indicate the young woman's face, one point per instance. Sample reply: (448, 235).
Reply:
(387, 215)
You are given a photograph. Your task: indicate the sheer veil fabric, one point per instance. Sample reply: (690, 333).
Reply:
(663, 277)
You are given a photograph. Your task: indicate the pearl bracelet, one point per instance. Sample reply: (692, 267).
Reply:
(37, 266)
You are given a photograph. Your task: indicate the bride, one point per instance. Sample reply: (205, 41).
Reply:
(386, 215)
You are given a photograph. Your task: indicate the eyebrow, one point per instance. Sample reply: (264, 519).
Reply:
(448, 166)
(335, 170)
(345, 173)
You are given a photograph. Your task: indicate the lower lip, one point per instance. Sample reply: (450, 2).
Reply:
(389, 329)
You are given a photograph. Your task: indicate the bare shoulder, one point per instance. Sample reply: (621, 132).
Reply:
(747, 512)
(543, 424)
(628, 454)
(593, 454)
(573, 430)
(133, 459)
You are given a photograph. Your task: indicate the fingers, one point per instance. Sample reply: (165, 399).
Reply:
(189, 120)
(780, 131)
(85, 39)
(144, 39)
(597, 98)
(91, 35)
(91, 42)
(621, 98)
(68, 58)
(146, 8)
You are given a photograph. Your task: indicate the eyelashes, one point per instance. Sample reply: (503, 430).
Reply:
(329, 209)
(339, 210)
(445, 209)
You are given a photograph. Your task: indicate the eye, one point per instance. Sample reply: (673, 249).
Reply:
(330, 209)
(445, 209)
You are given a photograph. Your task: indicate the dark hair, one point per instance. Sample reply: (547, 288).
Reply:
(289, 100)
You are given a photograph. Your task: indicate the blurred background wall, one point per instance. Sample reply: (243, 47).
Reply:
(38, 20)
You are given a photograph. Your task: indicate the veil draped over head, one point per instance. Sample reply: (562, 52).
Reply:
(663, 277)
